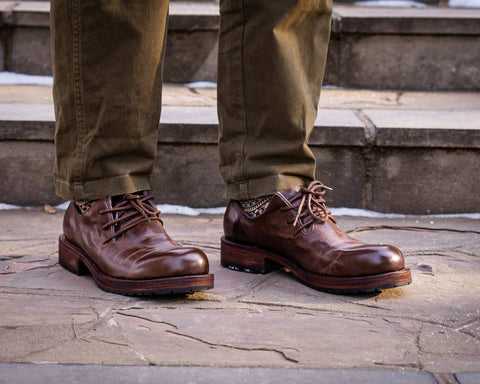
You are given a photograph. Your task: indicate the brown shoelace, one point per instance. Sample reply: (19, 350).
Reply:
(131, 211)
(310, 205)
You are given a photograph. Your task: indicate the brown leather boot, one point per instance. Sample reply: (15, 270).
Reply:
(297, 232)
(122, 243)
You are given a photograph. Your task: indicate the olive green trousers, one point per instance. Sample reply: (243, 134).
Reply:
(107, 65)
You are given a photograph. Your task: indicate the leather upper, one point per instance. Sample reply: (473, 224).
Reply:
(314, 243)
(143, 251)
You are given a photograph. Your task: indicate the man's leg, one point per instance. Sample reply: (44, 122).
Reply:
(107, 62)
(271, 62)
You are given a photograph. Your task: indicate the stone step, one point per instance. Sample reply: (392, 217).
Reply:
(431, 48)
(407, 152)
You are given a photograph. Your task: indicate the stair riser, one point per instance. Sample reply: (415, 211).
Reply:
(404, 54)
(404, 180)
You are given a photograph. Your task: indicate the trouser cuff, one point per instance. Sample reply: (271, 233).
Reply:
(265, 186)
(96, 189)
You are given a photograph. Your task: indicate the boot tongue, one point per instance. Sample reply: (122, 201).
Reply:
(118, 200)
(130, 210)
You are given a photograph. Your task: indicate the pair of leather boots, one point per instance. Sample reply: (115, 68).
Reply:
(121, 241)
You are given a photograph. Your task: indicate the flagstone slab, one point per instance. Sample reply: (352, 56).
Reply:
(247, 320)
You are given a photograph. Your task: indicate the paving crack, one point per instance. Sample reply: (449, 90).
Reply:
(53, 293)
(418, 346)
(254, 289)
(54, 272)
(61, 341)
(336, 312)
(305, 313)
(444, 254)
(368, 306)
(434, 252)
(390, 322)
(92, 308)
(131, 343)
(19, 257)
(468, 323)
(41, 267)
(147, 319)
(193, 90)
(398, 97)
(26, 269)
(444, 378)
(23, 357)
(11, 257)
(201, 245)
(29, 239)
(369, 157)
(403, 365)
(461, 251)
(464, 328)
(359, 319)
(370, 128)
(408, 228)
(236, 347)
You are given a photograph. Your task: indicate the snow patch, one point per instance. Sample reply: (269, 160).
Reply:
(355, 212)
(363, 213)
(4, 207)
(112, 322)
(141, 356)
(187, 211)
(202, 84)
(11, 78)
(63, 206)
(391, 3)
(104, 313)
(331, 87)
(415, 4)
(171, 209)
(464, 3)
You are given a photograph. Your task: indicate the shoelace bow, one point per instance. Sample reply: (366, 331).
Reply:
(131, 211)
(311, 205)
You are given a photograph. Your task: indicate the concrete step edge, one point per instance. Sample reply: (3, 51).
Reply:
(186, 15)
(333, 127)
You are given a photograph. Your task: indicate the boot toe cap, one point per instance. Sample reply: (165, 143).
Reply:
(175, 263)
(369, 260)
(381, 259)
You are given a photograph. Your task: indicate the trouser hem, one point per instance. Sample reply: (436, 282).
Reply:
(96, 189)
(265, 186)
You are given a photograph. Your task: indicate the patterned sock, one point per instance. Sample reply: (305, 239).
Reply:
(82, 206)
(255, 207)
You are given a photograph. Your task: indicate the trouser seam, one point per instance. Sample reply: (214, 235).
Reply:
(243, 66)
(77, 85)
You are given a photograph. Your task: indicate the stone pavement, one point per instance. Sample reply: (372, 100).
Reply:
(249, 328)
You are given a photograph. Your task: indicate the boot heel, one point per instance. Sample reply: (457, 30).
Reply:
(69, 259)
(247, 259)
